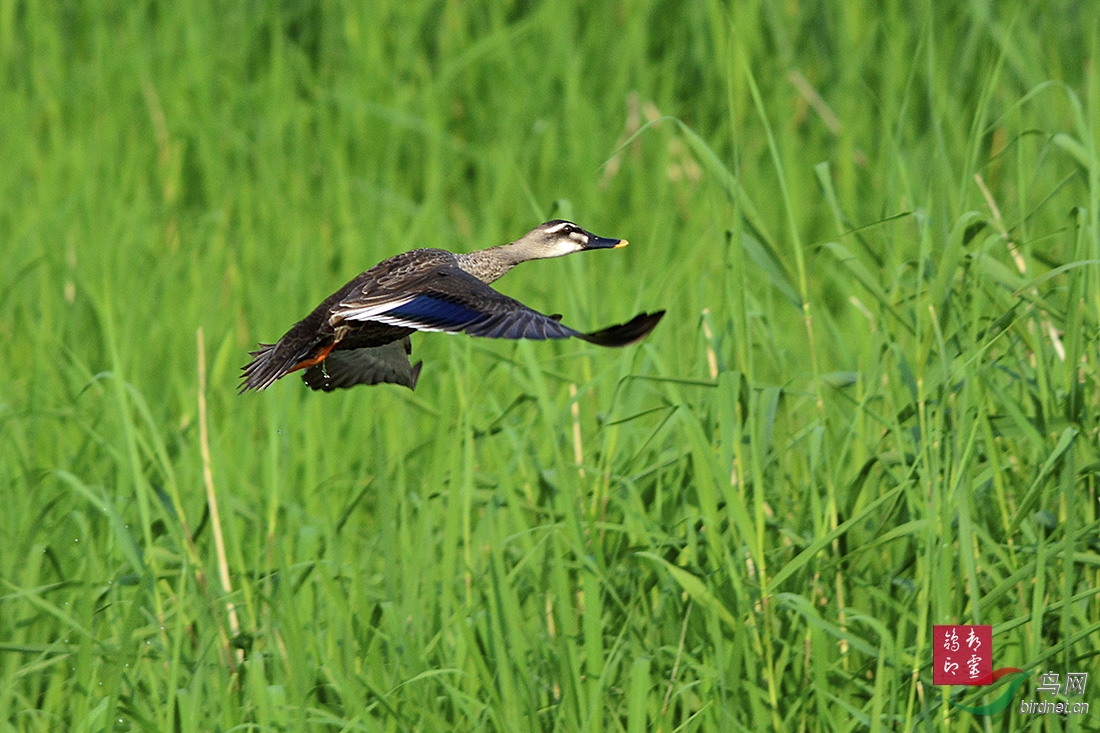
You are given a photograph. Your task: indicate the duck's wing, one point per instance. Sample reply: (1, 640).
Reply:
(449, 299)
(372, 365)
(625, 334)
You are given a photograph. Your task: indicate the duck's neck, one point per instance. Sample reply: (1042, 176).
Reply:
(490, 264)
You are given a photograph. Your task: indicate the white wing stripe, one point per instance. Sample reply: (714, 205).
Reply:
(403, 322)
(379, 313)
(371, 312)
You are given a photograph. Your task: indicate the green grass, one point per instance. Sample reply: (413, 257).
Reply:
(880, 226)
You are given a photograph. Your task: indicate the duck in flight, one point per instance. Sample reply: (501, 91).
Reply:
(360, 333)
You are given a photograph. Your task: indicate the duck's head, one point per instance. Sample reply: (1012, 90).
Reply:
(558, 238)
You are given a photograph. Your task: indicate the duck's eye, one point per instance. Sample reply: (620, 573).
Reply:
(560, 228)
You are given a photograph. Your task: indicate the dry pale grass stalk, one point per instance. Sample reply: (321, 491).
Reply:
(712, 355)
(212, 502)
(578, 448)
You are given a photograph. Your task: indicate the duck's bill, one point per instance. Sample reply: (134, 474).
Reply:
(604, 242)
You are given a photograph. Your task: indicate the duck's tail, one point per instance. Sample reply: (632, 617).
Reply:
(272, 362)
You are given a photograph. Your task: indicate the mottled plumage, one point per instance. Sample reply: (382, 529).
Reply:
(359, 334)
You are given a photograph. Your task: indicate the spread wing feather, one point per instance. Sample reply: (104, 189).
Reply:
(372, 365)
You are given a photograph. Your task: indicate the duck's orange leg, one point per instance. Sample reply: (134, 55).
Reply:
(317, 358)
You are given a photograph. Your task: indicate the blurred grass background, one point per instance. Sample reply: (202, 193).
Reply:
(872, 406)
